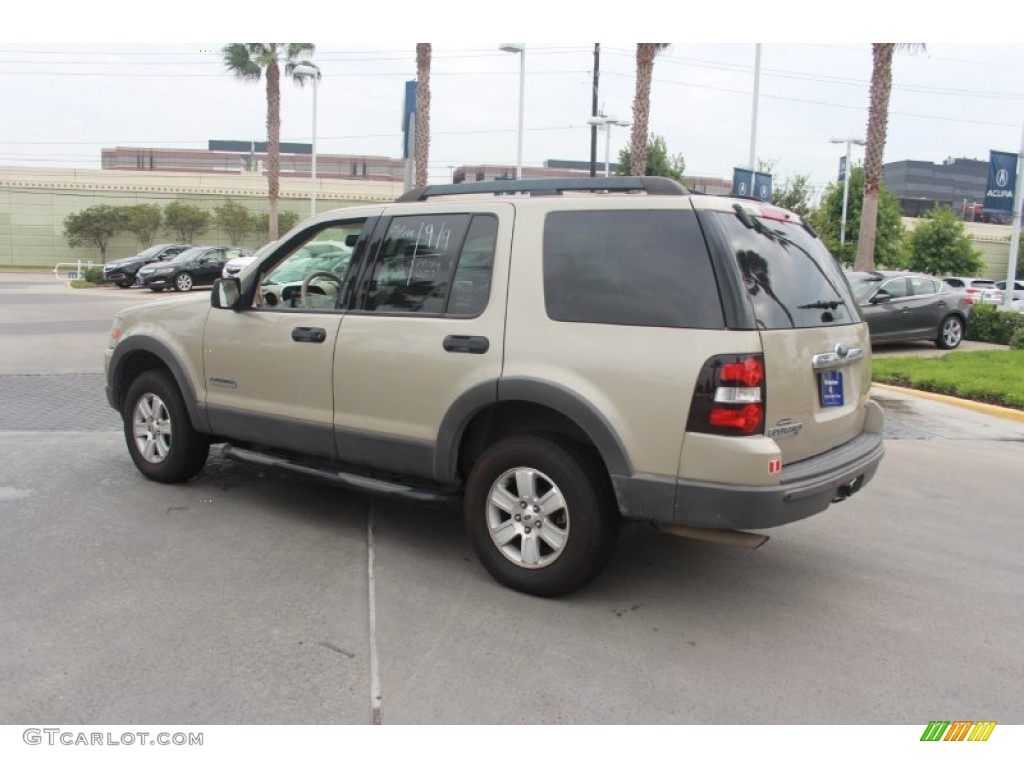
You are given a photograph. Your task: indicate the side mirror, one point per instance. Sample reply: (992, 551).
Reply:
(227, 294)
(881, 297)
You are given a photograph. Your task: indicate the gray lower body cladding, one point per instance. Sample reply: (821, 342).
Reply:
(806, 488)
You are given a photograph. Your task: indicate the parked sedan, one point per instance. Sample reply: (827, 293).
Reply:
(903, 306)
(196, 266)
(122, 272)
(1018, 293)
(979, 290)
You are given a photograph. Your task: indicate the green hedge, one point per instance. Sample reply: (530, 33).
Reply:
(1017, 340)
(94, 275)
(993, 325)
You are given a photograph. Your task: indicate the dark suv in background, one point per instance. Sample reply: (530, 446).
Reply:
(122, 272)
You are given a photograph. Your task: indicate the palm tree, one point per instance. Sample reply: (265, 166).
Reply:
(248, 61)
(422, 149)
(645, 53)
(878, 123)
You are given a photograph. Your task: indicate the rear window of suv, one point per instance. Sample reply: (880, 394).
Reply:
(791, 279)
(648, 268)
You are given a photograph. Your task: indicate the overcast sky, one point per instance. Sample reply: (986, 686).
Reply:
(64, 101)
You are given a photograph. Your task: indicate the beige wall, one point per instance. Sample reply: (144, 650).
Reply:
(993, 240)
(35, 201)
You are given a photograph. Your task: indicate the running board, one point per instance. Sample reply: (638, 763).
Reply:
(406, 489)
(742, 539)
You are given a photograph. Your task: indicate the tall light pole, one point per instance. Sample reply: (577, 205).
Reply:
(314, 71)
(605, 123)
(846, 181)
(519, 48)
(753, 120)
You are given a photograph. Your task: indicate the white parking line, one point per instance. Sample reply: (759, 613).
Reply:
(375, 696)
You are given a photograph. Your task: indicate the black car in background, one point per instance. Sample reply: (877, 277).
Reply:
(122, 272)
(905, 306)
(196, 266)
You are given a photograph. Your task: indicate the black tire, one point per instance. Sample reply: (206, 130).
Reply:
(951, 332)
(124, 285)
(583, 514)
(156, 290)
(183, 282)
(176, 455)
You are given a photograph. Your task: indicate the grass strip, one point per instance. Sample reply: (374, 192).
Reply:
(994, 376)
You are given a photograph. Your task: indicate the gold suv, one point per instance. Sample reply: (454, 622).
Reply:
(559, 354)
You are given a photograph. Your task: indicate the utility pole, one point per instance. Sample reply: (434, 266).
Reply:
(1011, 265)
(593, 110)
(753, 119)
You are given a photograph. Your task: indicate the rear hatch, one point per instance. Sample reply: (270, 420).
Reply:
(817, 350)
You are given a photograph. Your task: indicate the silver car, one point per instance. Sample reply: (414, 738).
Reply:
(904, 306)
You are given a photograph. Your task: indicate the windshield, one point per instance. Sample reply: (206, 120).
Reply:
(151, 251)
(863, 285)
(188, 255)
(303, 262)
(792, 280)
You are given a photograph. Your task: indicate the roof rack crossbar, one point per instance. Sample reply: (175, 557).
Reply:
(652, 185)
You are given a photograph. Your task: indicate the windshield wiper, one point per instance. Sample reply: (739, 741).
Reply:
(821, 305)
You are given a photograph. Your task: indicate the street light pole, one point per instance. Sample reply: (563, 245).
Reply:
(846, 182)
(519, 48)
(605, 123)
(314, 71)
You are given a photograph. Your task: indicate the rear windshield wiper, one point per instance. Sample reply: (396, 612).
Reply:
(821, 305)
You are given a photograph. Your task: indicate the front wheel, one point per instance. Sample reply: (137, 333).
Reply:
(951, 333)
(540, 514)
(160, 437)
(183, 282)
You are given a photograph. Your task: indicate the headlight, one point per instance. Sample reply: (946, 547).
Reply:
(115, 332)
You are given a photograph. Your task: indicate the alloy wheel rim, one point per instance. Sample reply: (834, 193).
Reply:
(151, 428)
(184, 282)
(952, 332)
(527, 517)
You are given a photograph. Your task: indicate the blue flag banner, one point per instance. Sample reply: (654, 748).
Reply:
(742, 182)
(1002, 180)
(747, 184)
(408, 110)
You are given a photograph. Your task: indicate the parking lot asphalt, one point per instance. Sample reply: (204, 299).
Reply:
(252, 596)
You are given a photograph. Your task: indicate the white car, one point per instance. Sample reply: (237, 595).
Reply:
(979, 290)
(233, 267)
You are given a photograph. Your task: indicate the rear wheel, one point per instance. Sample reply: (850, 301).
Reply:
(160, 437)
(540, 514)
(951, 333)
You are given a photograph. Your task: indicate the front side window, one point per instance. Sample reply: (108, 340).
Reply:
(314, 274)
(897, 288)
(643, 268)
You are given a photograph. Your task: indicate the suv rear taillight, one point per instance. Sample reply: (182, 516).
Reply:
(729, 398)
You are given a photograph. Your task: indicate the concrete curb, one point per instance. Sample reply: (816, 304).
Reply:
(991, 410)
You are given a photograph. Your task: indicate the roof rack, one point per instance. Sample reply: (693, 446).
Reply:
(652, 185)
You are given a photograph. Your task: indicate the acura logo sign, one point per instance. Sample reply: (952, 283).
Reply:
(842, 351)
(1002, 177)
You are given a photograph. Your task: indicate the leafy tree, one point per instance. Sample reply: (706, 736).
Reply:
(828, 217)
(250, 61)
(421, 150)
(235, 219)
(93, 226)
(939, 245)
(659, 162)
(645, 54)
(285, 221)
(186, 221)
(143, 221)
(794, 194)
(878, 125)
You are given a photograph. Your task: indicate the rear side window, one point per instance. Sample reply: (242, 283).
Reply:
(791, 279)
(629, 268)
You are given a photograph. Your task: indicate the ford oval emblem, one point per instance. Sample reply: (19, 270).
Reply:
(842, 350)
